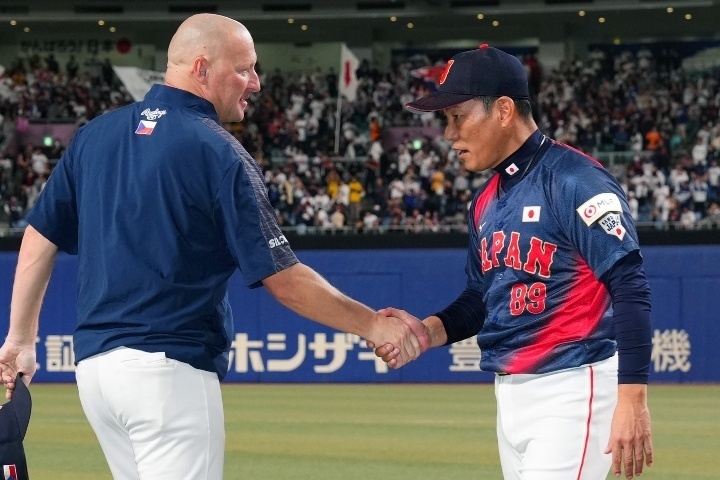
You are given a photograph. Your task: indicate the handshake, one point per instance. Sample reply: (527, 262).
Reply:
(398, 337)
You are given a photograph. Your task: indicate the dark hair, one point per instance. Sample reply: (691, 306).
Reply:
(522, 105)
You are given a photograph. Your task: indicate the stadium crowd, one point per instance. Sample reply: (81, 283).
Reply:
(640, 104)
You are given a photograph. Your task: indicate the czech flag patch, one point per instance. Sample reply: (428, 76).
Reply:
(145, 127)
(10, 472)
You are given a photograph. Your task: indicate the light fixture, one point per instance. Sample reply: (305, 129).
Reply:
(304, 27)
(13, 22)
(670, 9)
(101, 22)
(601, 19)
(393, 18)
(496, 23)
(291, 20)
(480, 16)
(26, 29)
(113, 29)
(688, 16)
(581, 13)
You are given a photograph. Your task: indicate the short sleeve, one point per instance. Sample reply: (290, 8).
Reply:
(249, 224)
(594, 209)
(55, 215)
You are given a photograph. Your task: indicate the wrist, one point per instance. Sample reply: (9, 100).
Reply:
(436, 330)
(632, 391)
(20, 341)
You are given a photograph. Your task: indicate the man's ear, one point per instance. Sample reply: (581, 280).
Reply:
(200, 70)
(506, 107)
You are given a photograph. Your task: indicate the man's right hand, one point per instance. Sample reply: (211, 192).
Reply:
(16, 358)
(389, 351)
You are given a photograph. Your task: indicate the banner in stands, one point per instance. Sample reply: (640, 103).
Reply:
(138, 81)
(272, 344)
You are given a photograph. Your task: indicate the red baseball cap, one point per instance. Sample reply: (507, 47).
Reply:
(483, 72)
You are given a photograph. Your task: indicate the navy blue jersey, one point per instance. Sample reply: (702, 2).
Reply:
(536, 254)
(161, 204)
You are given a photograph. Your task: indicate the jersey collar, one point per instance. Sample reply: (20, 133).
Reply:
(182, 98)
(511, 169)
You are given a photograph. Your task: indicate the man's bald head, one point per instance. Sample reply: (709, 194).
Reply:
(214, 57)
(203, 34)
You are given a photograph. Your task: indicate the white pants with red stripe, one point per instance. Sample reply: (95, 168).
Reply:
(155, 418)
(556, 426)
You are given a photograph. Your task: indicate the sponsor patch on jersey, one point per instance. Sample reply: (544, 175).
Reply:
(598, 206)
(512, 169)
(612, 224)
(153, 114)
(145, 127)
(531, 214)
(276, 242)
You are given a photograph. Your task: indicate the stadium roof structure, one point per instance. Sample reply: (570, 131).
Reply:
(368, 21)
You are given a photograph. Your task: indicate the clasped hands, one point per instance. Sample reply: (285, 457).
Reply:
(402, 340)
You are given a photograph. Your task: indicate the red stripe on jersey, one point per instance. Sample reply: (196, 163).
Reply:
(575, 320)
(487, 196)
(589, 419)
(578, 152)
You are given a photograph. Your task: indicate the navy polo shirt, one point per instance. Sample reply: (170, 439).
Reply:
(161, 205)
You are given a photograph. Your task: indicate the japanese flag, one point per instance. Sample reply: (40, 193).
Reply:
(348, 80)
(531, 214)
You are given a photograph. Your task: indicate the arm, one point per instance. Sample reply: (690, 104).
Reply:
(630, 434)
(35, 263)
(306, 293)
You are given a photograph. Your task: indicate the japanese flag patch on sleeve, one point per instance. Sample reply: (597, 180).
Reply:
(598, 206)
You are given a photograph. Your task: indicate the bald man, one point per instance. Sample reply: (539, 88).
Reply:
(162, 205)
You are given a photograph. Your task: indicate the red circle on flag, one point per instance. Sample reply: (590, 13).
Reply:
(590, 211)
(531, 213)
(123, 45)
(618, 231)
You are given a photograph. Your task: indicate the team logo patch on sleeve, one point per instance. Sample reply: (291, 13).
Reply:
(512, 169)
(612, 224)
(145, 127)
(598, 206)
(531, 214)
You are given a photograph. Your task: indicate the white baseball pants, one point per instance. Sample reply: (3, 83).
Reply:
(155, 418)
(556, 426)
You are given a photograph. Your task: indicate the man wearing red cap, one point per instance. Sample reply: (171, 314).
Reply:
(556, 292)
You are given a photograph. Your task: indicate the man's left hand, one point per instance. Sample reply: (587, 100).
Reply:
(630, 434)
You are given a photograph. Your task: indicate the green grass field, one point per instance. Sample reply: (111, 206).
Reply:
(347, 432)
